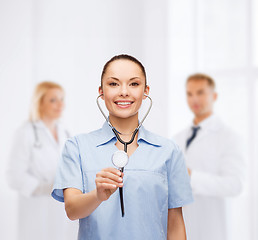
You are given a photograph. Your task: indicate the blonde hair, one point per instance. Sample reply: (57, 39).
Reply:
(37, 98)
(201, 76)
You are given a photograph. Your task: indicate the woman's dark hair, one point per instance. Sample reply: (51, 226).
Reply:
(123, 57)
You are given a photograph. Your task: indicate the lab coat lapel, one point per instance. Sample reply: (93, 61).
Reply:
(62, 136)
(202, 134)
(208, 126)
(48, 133)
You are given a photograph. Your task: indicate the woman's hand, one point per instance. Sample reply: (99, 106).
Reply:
(80, 205)
(107, 181)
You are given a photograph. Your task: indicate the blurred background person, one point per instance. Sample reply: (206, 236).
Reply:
(32, 165)
(214, 160)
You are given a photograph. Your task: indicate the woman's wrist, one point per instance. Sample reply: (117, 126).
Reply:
(95, 194)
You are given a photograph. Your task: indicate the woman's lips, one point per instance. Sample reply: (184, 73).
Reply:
(123, 104)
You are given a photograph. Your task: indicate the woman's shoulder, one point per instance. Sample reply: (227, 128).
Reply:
(23, 134)
(30, 125)
(87, 137)
(25, 128)
(89, 134)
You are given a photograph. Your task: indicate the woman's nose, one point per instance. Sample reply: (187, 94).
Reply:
(123, 90)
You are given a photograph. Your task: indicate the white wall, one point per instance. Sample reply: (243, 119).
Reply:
(16, 84)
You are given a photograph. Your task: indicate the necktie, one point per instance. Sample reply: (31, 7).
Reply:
(190, 139)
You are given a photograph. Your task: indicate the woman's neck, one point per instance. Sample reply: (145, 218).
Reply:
(126, 128)
(50, 123)
(124, 125)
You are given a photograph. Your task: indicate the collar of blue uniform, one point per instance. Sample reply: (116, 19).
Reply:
(107, 135)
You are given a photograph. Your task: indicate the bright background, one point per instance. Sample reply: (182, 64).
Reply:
(69, 42)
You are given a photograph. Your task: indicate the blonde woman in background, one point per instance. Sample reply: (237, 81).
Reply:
(33, 161)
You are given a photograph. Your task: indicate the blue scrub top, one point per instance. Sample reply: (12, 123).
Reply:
(155, 180)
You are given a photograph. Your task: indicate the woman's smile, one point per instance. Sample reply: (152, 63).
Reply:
(124, 103)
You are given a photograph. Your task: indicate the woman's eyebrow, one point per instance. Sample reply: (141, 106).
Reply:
(133, 78)
(114, 78)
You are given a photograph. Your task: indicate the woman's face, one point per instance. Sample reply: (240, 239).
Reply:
(52, 104)
(123, 88)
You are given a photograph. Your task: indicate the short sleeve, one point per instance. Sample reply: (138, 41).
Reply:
(69, 174)
(179, 188)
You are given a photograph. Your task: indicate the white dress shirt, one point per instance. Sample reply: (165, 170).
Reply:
(217, 165)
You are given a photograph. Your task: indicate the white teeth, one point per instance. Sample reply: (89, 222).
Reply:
(123, 103)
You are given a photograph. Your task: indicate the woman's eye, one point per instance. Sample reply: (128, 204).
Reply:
(135, 84)
(52, 100)
(113, 84)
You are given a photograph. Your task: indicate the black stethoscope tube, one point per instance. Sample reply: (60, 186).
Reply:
(124, 143)
(122, 169)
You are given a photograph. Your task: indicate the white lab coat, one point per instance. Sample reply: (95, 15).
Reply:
(31, 172)
(215, 158)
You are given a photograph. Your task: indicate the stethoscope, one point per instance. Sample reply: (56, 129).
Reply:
(37, 143)
(120, 158)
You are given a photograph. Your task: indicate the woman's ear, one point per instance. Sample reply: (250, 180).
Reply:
(215, 96)
(146, 91)
(101, 92)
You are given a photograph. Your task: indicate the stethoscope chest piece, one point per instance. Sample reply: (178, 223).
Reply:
(120, 159)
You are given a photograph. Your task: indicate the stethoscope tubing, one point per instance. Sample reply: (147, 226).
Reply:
(123, 142)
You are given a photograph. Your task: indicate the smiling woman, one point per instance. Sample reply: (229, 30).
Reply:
(123, 88)
(155, 179)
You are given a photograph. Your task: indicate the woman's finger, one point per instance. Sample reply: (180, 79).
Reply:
(112, 170)
(109, 181)
(109, 175)
(106, 186)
